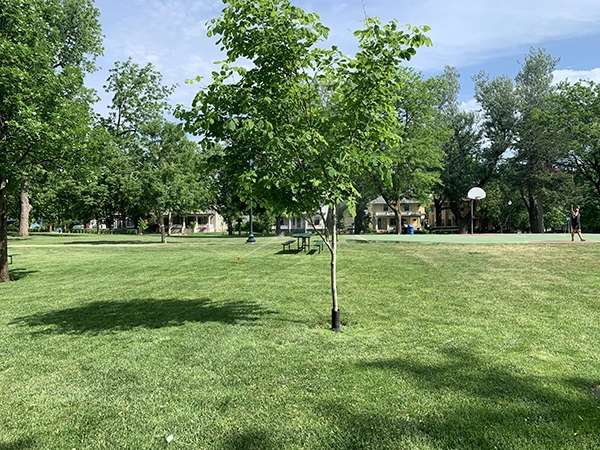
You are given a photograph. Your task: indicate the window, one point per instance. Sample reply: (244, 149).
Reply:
(385, 207)
(406, 207)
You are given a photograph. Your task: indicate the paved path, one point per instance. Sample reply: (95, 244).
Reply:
(521, 238)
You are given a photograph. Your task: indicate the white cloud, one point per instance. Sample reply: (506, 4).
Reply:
(172, 33)
(469, 105)
(572, 76)
(466, 32)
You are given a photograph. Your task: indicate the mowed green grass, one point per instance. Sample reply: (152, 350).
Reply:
(118, 342)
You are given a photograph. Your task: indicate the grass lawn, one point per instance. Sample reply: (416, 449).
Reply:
(113, 342)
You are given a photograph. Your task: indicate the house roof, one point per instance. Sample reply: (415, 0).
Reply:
(380, 201)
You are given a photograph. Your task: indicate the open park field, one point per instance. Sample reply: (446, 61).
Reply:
(449, 342)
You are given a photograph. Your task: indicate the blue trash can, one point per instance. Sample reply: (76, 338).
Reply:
(411, 229)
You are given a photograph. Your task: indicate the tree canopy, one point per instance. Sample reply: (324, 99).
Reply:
(306, 119)
(46, 47)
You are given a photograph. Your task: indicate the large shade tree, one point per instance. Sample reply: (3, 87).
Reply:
(169, 172)
(538, 150)
(308, 119)
(576, 117)
(46, 46)
(139, 99)
(417, 158)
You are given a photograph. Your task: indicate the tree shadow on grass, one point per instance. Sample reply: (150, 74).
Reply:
(252, 439)
(288, 252)
(20, 444)
(18, 274)
(113, 316)
(471, 402)
(105, 241)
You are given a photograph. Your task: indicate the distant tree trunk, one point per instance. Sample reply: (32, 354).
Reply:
(462, 222)
(540, 214)
(25, 210)
(438, 202)
(362, 220)
(278, 226)
(170, 227)
(398, 216)
(3, 233)
(161, 226)
(535, 208)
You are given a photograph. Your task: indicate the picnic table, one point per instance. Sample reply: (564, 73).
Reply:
(10, 256)
(305, 237)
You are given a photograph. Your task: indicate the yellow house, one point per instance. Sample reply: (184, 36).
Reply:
(448, 219)
(383, 219)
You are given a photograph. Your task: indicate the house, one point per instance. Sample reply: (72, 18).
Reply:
(207, 221)
(289, 225)
(383, 219)
(447, 218)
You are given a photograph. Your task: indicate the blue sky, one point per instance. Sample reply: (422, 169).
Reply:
(472, 35)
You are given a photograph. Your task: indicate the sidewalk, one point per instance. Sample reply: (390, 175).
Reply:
(493, 238)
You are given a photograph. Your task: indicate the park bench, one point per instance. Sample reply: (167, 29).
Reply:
(319, 244)
(287, 244)
(10, 257)
(444, 230)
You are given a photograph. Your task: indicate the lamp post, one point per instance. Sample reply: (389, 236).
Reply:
(250, 239)
(509, 214)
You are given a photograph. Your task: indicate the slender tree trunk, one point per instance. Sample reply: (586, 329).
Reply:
(161, 226)
(335, 312)
(398, 216)
(170, 216)
(540, 213)
(3, 233)
(25, 210)
(278, 226)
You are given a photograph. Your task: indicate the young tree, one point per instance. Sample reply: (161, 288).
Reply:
(45, 49)
(309, 119)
